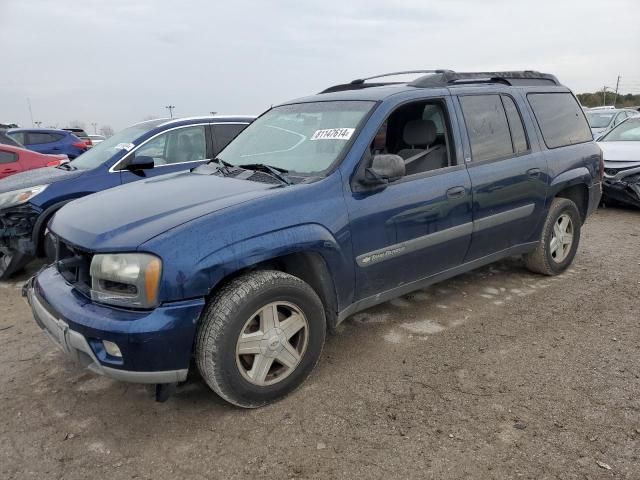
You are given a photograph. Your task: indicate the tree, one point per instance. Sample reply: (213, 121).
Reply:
(77, 124)
(106, 130)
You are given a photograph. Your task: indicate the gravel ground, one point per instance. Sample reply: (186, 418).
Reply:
(498, 373)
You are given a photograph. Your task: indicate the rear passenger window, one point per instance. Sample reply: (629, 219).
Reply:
(8, 157)
(487, 126)
(515, 125)
(37, 138)
(560, 118)
(224, 133)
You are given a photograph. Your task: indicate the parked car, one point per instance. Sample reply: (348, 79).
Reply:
(15, 160)
(603, 119)
(51, 141)
(144, 150)
(81, 134)
(7, 140)
(95, 139)
(621, 150)
(322, 207)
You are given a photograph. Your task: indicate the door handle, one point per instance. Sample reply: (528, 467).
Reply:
(534, 172)
(456, 192)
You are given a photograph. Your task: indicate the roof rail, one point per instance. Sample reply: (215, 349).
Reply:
(445, 78)
(516, 77)
(359, 83)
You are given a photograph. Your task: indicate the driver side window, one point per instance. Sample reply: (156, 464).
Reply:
(176, 146)
(418, 132)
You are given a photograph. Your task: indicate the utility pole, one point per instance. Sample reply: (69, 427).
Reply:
(604, 96)
(170, 108)
(213, 113)
(95, 127)
(616, 95)
(30, 112)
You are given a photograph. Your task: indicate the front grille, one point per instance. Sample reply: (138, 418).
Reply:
(74, 264)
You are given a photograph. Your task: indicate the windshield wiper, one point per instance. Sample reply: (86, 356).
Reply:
(276, 172)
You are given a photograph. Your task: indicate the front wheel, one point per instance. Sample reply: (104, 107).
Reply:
(11, 261)
(260, 337)
(560, 238)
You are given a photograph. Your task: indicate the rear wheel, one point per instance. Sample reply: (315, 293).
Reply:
(11, 262)
(260, 337)
(560, 238)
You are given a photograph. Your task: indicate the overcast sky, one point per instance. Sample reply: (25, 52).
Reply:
(117, 62)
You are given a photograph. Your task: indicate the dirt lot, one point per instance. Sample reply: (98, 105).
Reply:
(496, 374)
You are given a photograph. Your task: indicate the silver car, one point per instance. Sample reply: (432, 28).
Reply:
(603, 119)
(621, 150)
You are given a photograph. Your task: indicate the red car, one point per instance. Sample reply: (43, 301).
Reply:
(15, 160)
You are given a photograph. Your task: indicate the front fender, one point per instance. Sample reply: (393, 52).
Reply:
(210, 270)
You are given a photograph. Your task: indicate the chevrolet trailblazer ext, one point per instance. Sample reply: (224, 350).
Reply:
(322, 207)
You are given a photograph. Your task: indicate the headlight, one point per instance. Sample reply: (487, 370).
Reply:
(18, 197)
(126, 279)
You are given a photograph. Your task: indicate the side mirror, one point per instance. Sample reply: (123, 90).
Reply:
(140, 162)
(384, 169)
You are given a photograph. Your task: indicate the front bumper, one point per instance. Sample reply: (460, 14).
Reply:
(623, 186)
(16, 228)
(156, 345)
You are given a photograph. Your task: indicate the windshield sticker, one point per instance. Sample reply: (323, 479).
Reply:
(124, 146)
(333, 134)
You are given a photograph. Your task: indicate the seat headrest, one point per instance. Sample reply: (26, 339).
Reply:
(419, 132)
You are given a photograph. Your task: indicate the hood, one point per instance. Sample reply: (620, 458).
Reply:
(124, 217)
(39, 176)
(620, 151)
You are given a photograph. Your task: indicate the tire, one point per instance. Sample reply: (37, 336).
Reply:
(11, 262)
(241, 312)
(549, 258)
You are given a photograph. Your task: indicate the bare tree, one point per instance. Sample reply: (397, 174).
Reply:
(106, 130)
(149, 117)
(77, 124)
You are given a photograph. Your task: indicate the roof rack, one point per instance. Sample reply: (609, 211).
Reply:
(445, 78)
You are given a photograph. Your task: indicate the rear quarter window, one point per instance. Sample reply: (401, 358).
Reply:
(37, 138)
(8, 157)
(560, 118)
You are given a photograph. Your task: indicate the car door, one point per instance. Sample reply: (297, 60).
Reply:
(508, 171)
(174, 150)
(9, 163)
(414, 227)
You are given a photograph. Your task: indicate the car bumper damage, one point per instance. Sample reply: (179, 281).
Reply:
(152, 347)
(622, 185)
(16, 229)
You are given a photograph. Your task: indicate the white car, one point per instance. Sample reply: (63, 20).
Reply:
(96, 139)
(621, 150)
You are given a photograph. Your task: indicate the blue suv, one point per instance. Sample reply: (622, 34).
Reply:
(148, 149)
(322, 207)
(50, 141)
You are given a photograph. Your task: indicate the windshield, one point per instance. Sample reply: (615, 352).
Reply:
(123, 140)
(628, 131)
(599, 120)
(304, 138)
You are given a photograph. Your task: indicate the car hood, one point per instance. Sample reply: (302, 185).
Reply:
(620, 151)
(39, 176)
(124, 217)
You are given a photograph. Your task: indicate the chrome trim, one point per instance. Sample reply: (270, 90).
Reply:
(503, 217)
(415, 244)
(123, 159)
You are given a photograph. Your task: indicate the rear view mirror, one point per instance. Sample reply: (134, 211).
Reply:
(141, 162)
(384, 169)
